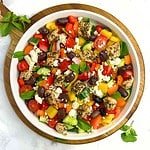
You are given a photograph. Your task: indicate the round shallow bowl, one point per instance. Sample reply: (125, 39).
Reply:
(106, 19)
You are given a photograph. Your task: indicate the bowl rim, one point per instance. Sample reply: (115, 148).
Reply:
(121, 26)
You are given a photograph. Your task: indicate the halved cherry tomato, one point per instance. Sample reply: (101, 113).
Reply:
(25, 88)
(95, 122)
(45, 105)
(70, 42)
(50, 80)
(75, 28)
(33, 105)
(21, 82)
(94, 67)
(43, 45)
(83, 76)
(72, 19)
(38, 36)
(115, 111)
(22, 65)
(52, 123)
(63, 66)
(100, 42)
(107, 70)
(69, 27)
(99, 28)
(127, 74)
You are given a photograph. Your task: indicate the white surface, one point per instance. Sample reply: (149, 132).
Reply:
(14, 135)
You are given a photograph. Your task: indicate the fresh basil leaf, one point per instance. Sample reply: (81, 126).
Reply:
(133, 132)
(24, 19)
(27, 95)
(18, 25)
(19, 55)
(129, 138)
(5, 28)
(75, 68)
(82, 66)
(125, 128)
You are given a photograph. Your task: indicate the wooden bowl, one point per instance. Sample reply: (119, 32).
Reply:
(18, 41)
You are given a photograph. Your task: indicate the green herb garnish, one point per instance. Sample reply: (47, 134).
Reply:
(19, 55)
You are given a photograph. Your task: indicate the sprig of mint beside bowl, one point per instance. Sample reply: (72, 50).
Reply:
(12, 21)
(129, 134)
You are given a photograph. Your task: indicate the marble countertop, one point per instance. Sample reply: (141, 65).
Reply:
(15, 135)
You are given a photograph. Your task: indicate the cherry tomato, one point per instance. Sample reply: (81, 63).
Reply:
(115, 111)
(21, 82)
(70, 42)
(50, 80)
(98, 28)
(83, 76)
(22, 65)
(69, 27)
(75, 28)
(33, 105)
(100, 42)
(25, 88)
(72, 19)
(107, 70)
(38, 36)
(95, 122)
(43, 45)
(127, 74)
(45, 105)
(52, 123)
(63, 66)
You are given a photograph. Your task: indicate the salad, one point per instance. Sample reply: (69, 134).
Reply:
(75, 75)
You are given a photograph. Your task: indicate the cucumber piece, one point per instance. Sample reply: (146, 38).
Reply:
(70, 120)
(33, 41)
(19, 55)
(69, 127)
(87, 46)
(43, 119)
(121, 63)
(85, 93)
(43, 71)
(27, 95)
(116, 95)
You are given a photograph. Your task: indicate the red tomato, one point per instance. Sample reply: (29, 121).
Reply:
(95, 122)
(69, 27)
(70, 42)
(43, 45)
(63, 66)
(33, 105)
(21, 82)
(115, 111)
(107, 70)
(22, 65)
(25, 88)
(127, 75)
(45, 105)
(52, 123)
(72, 19)
(50, 80)
(100, 42)
(75, 27)
(38, 36)
(83, 76)
(98, 28)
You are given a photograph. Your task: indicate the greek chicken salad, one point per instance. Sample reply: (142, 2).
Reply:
(75, 75)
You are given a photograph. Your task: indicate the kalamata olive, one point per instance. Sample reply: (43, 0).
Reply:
(122, 69)
(41, 91)
(102, 111)
(43, 30)
(62, 21)
(95, 113)
(42, 56)
(129, 67)
(93, 37)
(103, 56)
(123, 92)
(62, 46)
(71, 55)
(61, 114)
(63, 97)
(69, 77)
(97, 99)
(92, 80)
(31, 81)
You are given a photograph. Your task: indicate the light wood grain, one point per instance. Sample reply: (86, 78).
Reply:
(16, 35)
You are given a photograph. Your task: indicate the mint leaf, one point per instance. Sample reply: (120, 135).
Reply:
(18, 26)
(133, 132)
(129, 138)
(125, 128)
(5, 29)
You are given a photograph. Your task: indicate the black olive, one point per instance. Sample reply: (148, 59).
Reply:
(122, 69)
(93, 37)
(42, 56)
(62, 46)
(31, 81)
(129, 67)
(123, 92)
(63, 97)
(97, 99)
(92, 80)
(95, 113)
(103, 56)
(102, 111)
(62, 21)
(44, 30)
(71, 55)
(70, 77)
(61, 114)
(41, 91)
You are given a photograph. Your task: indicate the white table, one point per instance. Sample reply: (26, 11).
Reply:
(14, 135)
